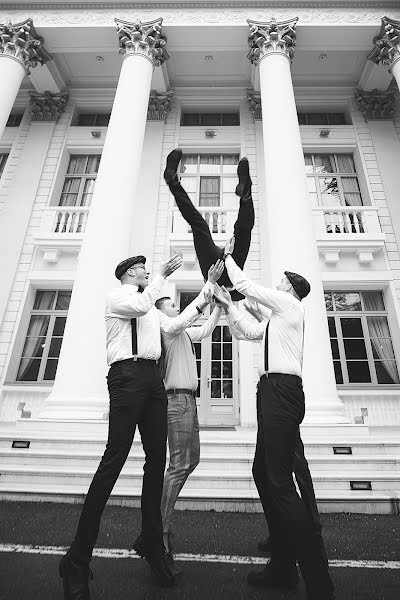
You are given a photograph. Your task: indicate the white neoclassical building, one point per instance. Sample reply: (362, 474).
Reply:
(93, 97)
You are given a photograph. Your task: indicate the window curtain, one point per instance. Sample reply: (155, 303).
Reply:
(380, 337)
(33, 348)
(77, 165)
(69, 194)
(209, 191)
(351, 191)
(345, 163)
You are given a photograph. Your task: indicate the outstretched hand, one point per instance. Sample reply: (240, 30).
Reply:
(215, 271)
(171, 265)
(222, 296)
(229, 246)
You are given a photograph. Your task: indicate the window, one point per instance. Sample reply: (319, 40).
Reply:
(80, 179)
(14, 120)
(3, 160)
(362, 349)
(93, 119)
(210, 119)
(44, 336)
(306, 118)
(332, 180)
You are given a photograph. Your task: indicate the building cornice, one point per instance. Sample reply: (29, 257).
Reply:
(199, 4)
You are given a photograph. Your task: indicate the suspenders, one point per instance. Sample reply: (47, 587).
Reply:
(266, 364)
(134, 337)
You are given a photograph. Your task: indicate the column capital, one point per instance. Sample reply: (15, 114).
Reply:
(387, 43)
(20, 41)
(254, 103)
(47, 106)
(159, 105)
(272, 37)
(143, 38)
(376, 104)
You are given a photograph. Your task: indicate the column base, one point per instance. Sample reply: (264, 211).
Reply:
(326, 411)
(93, 408)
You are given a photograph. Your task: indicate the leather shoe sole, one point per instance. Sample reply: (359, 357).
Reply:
(158, 565)
(243, 172)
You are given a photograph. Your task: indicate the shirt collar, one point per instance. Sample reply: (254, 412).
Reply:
(132, 286)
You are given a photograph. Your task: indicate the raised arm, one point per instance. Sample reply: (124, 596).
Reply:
(270, 298)
(199, 333)
(122, 304)
(240, 327)
(174, 325)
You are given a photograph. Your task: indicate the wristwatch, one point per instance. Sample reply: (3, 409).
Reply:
(199, 310)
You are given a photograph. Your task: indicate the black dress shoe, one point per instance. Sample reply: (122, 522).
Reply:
(156, 557)
(265, 545)
(75, 579)
(244, 186)
(173, 160)
(273, 576)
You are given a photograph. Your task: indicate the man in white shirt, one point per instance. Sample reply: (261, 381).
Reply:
(137, 398)
(280, 410)
(181, 382)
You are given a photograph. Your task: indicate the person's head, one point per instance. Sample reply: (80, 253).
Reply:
(294, 284)
(168, 306)
(133, 270)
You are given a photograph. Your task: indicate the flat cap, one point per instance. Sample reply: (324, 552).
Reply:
(126, 264)
(299, 284)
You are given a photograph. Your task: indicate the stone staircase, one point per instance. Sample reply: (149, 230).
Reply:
(355, 468)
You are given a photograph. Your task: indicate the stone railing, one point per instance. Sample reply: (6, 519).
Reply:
(220, 220)
(64, 220)
(347, 220)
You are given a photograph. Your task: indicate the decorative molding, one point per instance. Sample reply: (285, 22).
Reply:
(387, 43)
(375, 105)
(23, 43)
(193, 4)
(47, 106)
(143, 38)
(159, 105)
(91, 14)
(271, 38)
(254, 102)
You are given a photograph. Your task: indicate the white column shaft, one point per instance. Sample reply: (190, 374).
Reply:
(12, 72)
(80, 386)
(395, 69)
(292, 244)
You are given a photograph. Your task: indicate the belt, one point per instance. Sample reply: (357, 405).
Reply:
(175, 391)
(282, 376)
(137, 359)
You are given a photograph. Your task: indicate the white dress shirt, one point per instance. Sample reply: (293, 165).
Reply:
(125, 303)
(285, 332)
(180, 360)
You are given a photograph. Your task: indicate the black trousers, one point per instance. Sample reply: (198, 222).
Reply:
(137, 397)
(280, 410)
(207, 251)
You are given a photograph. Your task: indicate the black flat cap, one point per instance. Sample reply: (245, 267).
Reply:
(126, 264)
(299, 283)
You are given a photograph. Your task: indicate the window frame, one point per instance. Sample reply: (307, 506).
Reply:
(200, 117)
(198, 175)
(338, 175)
(53, 313)
(306, 115)
(83, 178)
(363, 314)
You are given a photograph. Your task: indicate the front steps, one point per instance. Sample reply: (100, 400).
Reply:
(62, 457)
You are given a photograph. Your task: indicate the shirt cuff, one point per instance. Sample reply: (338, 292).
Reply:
(234, 314)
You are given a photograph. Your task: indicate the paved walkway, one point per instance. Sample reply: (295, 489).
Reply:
(216, 550)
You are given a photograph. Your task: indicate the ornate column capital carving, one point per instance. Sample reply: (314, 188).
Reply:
(271, 38)
(21, 41)
(159, 105)
(254, 102)
(143, 38)
(47, 106)
(375, 105)
(387, 43)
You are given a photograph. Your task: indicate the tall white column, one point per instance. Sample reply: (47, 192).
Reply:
(20, 49)
(80, 387)
(289, 226)
(387, 47)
